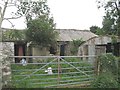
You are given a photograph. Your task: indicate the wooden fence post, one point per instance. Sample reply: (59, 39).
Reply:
(96, 64)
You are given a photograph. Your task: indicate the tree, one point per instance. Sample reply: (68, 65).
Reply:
(93, 29)
(97, 30)
(108, 25)
(40, 25)
(111, 21)
(32, 10)
(41, 31)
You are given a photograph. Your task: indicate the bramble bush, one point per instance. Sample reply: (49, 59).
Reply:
(108, 72)
(105, 80)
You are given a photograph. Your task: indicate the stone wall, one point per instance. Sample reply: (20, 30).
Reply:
(36, 51)
(0, 65)
(7, 50)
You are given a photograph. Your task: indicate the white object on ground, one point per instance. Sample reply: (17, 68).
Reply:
(23, 61)
(49, 70)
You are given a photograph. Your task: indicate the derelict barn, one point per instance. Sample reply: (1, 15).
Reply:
(64, 42)
(98, 45)
(66, 36)
(93, 44)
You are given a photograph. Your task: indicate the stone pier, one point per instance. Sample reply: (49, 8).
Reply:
(0, 65)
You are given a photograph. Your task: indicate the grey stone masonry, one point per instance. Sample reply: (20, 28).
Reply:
(6, 50)
(0, 65)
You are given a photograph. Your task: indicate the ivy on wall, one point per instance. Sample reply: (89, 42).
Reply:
(75, 45)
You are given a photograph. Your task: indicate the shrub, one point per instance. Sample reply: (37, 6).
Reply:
(108, 77)
(108, 62)
(105, 80)
(75, 46)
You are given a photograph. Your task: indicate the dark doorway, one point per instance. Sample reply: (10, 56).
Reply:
(113, 48)
(52, 50)
(108, 48)
(19, 50)
(62, 50)
(117, 49)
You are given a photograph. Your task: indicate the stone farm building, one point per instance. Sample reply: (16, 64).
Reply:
(98, 45)
(93, 44)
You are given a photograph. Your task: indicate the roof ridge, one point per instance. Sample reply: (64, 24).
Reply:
(73, 29)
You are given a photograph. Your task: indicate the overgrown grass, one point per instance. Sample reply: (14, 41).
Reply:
(74, 71)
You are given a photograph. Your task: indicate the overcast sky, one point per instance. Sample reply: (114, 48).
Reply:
(76, 14)
(69, 14)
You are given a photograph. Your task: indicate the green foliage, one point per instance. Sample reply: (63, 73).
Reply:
(40, 26)
(114, 39)
(108, 75)
(108, 63)
(97, 30)
(93, 29)
(75, 45)
(33, 10)
(41, 31)
(13, 35)
(105, 80)
(78, 42)
(111, 21)
(100, 32)
(118, 58)
(108, 25)
(118, 25)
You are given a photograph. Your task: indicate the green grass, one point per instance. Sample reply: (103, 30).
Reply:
(22, 76)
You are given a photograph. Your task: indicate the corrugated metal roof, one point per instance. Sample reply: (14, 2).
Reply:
(73, 34)
(64, 34)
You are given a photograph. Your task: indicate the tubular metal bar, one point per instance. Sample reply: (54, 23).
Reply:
(74, 83)
(51, 56)
(20, 70)
(51, 63)
(64, 81)
(75, 76)
(76, 80)
(52, 74)
(43, 79)
(84, 82)
(46, 83)
(82, 76)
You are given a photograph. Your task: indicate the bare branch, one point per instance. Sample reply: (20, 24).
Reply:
(12, 4)
(0, 12)
(13, 17)
(10, 22)
(4, 9)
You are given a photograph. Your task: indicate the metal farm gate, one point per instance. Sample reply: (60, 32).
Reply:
(52, 71)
